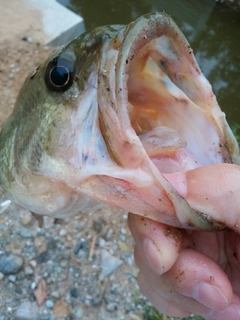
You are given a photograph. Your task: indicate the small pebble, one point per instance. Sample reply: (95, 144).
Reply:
(81, 249)
(40, 244)
(78, 225)
(27, 39)
(1, 275)
(25, 233)
(12, 278)
(109, 263)
(10, 263)
(27, 311)
(78, 313)
(109, 234)
(56, 294)
(49, 304)
(58, 269)
(33, 285)
(101, 242)
(33, 263)
(28, 271)
(123, 230)
(26, 219)
(123, 237)
(69, 238)
(112, 307)
(19, 290)
(62, 233)
(74, 291)
(96, 302)
(43, 257)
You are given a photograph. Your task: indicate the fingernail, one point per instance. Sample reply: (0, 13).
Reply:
(235, 310)
(153, 256)
(211, 296)
(232, 312)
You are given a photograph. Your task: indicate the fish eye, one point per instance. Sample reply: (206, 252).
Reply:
(59, 75)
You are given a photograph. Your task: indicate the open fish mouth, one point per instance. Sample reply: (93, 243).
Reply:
(136, 110)
(171, 105)
(162, 95)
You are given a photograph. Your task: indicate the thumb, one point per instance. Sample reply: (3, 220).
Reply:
(213, 190)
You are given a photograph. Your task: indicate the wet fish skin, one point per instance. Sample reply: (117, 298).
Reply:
(134, 106)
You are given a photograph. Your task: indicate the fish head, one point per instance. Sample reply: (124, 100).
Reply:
(107, 117)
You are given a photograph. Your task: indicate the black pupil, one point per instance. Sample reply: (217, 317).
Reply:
(59, 76)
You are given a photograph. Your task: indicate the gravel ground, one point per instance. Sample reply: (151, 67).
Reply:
(77, 269)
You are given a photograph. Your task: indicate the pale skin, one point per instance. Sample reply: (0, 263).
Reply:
(183, 271)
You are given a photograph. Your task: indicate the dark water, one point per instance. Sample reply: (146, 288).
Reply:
(212, 30)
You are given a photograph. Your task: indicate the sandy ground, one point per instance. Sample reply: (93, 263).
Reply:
(18, 56)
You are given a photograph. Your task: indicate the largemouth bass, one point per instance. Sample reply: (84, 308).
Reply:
(108, 117)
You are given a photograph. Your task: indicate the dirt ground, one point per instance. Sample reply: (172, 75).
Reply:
(18, 56)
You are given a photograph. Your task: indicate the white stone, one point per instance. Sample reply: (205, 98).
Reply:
(109, 263)
(27, 311)
(59, 23)
(46, 21)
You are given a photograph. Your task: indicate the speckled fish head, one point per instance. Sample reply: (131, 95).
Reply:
(106, 116)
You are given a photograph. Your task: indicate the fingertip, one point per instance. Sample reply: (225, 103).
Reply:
(167, 307)
(199, 277)
(157, 244)
(210, 296)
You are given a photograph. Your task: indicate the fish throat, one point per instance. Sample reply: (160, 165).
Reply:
(170, 103)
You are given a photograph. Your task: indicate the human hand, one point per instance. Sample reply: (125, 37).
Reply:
(184, 271)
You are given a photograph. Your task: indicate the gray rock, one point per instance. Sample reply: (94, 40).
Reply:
(18, 290)
(62, 233)
(112, 307)
(49, 304)
(27, 311)
(28, 271)
(109, 234)
(78, 313)
(74, 291)
(58, 269)
(96, 302)
(10, 263)
(109, 263)
(26, 219)
(12, 278)
(33, 285)
(25, 233)
(81, 249)
(56, 294)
